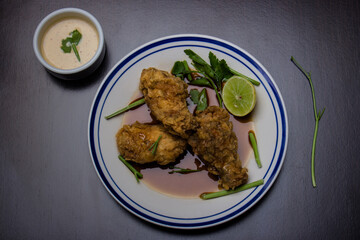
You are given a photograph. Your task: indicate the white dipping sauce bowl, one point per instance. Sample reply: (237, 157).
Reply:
(75, 73)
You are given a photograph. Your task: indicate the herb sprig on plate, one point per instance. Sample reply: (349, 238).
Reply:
(136, 173)
(206, 196)
(212, 75)
(132, 105)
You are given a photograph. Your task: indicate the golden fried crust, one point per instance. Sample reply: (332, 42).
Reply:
(134, 141)
(216, 143)
(166, 97)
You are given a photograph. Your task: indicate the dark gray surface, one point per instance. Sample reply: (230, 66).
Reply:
(48, 186)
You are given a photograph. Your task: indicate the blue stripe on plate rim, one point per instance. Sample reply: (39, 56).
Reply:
(187, 38)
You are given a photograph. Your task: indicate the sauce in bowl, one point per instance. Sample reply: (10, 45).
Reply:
(59, 30)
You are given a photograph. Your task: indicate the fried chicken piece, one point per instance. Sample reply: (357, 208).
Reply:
(166, 97)
(134, 142)
(216, 144)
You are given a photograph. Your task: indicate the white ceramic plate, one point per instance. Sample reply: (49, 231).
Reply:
(118, 88)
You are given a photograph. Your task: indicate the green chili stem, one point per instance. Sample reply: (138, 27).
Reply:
(73, 45)
(207, 196)
(131, 168)
(253, 81)
(132, 105)
(317, 116)
(255, 148)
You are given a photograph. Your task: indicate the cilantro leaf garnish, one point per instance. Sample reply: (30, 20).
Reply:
(181, 69)
(178, 69)
(71, 42)
(199, 98)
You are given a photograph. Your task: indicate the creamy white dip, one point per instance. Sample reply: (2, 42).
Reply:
(51, 43)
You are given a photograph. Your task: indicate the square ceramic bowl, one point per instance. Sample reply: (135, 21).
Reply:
(78, 72)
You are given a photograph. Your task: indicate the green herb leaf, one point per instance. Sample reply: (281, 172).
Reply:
(194, 96)
(200, 68)
(71, 42)
(214, 61)
(317, 116)
(200, 63)
(212, 72)
(203, 101)
(199, 98)
(207, 196)
(178, 69)
(221, 69)
(196, 58)
(181, 69)
(66, 45)
(130, 106)
(75, 36)
(131, 168)
(215, 65)
(225, 70)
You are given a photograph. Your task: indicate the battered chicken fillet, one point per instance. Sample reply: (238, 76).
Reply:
(166, 97)
(216, 144)
(134, 142)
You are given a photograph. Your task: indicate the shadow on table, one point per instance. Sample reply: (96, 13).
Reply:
(99, 73)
